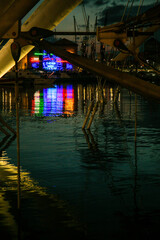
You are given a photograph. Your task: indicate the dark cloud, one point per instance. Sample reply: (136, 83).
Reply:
(114, 14)
(111, 11)
(96, 3)
(86, 2)
(114, 2)
(110, 15)
(101, 3)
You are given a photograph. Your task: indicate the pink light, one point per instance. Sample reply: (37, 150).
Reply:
(48, 59)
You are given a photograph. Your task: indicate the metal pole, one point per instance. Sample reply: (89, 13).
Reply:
(75, 28)
(18, 141)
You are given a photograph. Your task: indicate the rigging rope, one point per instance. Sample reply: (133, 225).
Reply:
(130, 10)
(125, 11)
(140, 5)
(84, 13)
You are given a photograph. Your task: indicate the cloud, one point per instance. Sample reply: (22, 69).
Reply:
(96, 3)
(111, 11)
(110, 15)
(114, 13)
(102, 3)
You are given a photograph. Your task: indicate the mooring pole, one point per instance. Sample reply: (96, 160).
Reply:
(18, 139)
(16, 51)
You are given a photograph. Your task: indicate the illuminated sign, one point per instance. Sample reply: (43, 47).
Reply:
(50, 62)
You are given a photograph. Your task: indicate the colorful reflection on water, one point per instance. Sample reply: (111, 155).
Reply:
(108, 176)
(55, 101)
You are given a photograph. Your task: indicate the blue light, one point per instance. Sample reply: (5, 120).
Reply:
(69, 66)
(53, 63)
(50, 62)
(35, 65)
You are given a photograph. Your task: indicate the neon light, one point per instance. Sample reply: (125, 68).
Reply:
(48, 59)
(35, 65)
(34, 59)
(50, 62)
(69, 66)
(40, 54)
(62, 61)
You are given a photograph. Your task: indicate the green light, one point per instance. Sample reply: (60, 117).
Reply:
(40, 54)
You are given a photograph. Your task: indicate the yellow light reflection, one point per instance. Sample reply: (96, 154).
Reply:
(111, 93)
(10, 101)
(69, 106)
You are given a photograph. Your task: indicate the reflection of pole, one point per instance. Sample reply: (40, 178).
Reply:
(135, 136)
(87, 116)
(18, 142)
(7, 126)
(136, 167)
(91, 145)
(94, 144)
(92, 116)
(87, 138)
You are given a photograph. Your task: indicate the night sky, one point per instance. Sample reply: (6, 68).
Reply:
(107, 12)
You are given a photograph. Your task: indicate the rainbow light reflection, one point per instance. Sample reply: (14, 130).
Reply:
(57, 101)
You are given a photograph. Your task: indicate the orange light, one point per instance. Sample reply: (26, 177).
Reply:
(70, 51)
(62, 61)
(34, 59)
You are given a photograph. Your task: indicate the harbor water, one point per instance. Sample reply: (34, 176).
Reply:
(101, 183)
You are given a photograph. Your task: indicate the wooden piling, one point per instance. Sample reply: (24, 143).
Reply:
(87, 116)
(92, 116)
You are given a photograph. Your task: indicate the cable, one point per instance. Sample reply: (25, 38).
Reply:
(130, 9)
(140, 5)
(125, 11)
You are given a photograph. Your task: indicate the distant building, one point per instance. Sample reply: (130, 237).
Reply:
(152, 49)
(68, 45)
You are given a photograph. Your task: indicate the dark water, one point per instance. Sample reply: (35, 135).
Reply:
(97, 184)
